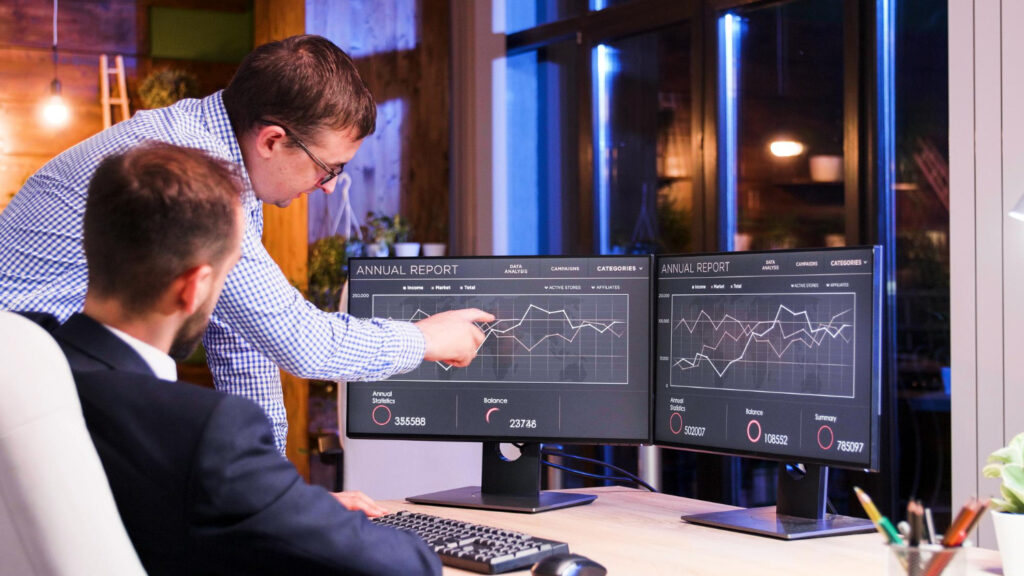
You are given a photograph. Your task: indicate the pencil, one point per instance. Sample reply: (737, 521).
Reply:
(954, 535)
(868, 505)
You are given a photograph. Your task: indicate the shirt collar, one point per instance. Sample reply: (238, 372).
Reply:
(161, 364)
(217, 121)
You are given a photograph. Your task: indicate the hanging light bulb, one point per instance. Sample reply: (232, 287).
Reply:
(55, 112)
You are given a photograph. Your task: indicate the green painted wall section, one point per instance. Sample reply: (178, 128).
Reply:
(206, 35)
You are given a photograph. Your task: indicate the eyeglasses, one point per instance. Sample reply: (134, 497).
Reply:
(331, 173)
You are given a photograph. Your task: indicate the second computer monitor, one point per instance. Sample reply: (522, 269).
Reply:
(771, 354)
(774, 355)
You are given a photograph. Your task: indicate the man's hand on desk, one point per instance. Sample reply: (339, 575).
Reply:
(453, 337)
(355, 500)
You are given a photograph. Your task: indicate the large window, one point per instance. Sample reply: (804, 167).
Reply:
(680, 126)
(643, 153)
(781, 124)
(921, 230)
(601, 127)
(542, 145)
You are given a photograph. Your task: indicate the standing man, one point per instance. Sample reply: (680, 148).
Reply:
(197, 480)
(294, 114)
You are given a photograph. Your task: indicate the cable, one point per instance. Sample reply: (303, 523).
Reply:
(588, 474)
(629, 477)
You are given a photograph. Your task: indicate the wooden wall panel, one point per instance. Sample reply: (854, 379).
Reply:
(284, 232)
(83, 26)
(86, 29)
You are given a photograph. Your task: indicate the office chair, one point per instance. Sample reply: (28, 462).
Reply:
(57, 514)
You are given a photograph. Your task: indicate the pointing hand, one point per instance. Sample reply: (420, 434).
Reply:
(453, 337)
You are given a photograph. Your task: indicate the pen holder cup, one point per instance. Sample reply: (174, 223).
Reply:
(927, 561)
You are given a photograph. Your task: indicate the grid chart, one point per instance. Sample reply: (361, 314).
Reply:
(773, 343)
(536, 338)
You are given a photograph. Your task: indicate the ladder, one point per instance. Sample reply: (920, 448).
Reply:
(121, 99)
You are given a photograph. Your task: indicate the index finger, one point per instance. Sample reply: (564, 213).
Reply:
(477, 315)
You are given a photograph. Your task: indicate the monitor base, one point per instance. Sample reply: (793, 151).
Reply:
(767, 522)
(474, 497)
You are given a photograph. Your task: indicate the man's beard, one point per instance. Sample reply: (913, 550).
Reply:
(190, 334)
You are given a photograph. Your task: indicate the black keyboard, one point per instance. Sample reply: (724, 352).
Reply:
(474, 547)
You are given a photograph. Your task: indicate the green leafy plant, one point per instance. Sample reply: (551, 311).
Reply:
(328, 258)
(378, 229)
(381, 228)
(401, 229)
(166, 86)
(1007, 463)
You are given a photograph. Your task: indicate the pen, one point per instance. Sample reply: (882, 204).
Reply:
(933, 538)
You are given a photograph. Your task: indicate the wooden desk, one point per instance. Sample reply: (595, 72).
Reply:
(634, 532)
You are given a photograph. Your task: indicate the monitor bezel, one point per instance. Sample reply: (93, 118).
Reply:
(613, 441)
(878, 317)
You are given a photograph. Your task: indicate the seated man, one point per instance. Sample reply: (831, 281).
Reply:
(198, 482)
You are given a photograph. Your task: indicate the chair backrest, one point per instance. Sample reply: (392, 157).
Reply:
(57, 514)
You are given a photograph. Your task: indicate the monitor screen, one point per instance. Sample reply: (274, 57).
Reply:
(568, 358)
(771, 354)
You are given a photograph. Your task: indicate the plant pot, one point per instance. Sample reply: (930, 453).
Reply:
(407, 249)
(377, 250)
(434, 249)
(1010, 535)
(826, 168)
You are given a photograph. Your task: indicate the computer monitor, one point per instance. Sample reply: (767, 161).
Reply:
(773, 355)
(568, 359)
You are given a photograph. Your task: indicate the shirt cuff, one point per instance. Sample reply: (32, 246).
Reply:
(411, 346)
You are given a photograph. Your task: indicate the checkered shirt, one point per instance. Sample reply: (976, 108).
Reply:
(260, 322)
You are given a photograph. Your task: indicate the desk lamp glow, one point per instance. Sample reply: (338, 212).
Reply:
(1018, 210)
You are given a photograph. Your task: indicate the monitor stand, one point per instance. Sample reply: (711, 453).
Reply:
(800, 511)
(507, 485)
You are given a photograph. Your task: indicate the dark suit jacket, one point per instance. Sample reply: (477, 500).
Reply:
(199, 485)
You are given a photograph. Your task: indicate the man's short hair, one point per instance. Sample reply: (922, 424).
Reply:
(304, 83)
(154, 212)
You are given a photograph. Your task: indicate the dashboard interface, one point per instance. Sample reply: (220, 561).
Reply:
(568, 356)
(770, 354)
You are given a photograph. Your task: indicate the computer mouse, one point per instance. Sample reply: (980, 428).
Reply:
(567, 565)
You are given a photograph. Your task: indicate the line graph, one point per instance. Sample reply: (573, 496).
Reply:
(773, 343)
(538, 338)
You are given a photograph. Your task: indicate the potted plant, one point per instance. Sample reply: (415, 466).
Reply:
(328, 260)
(404, 247)
(379, 234)
(438, 233)
(1007, 464)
